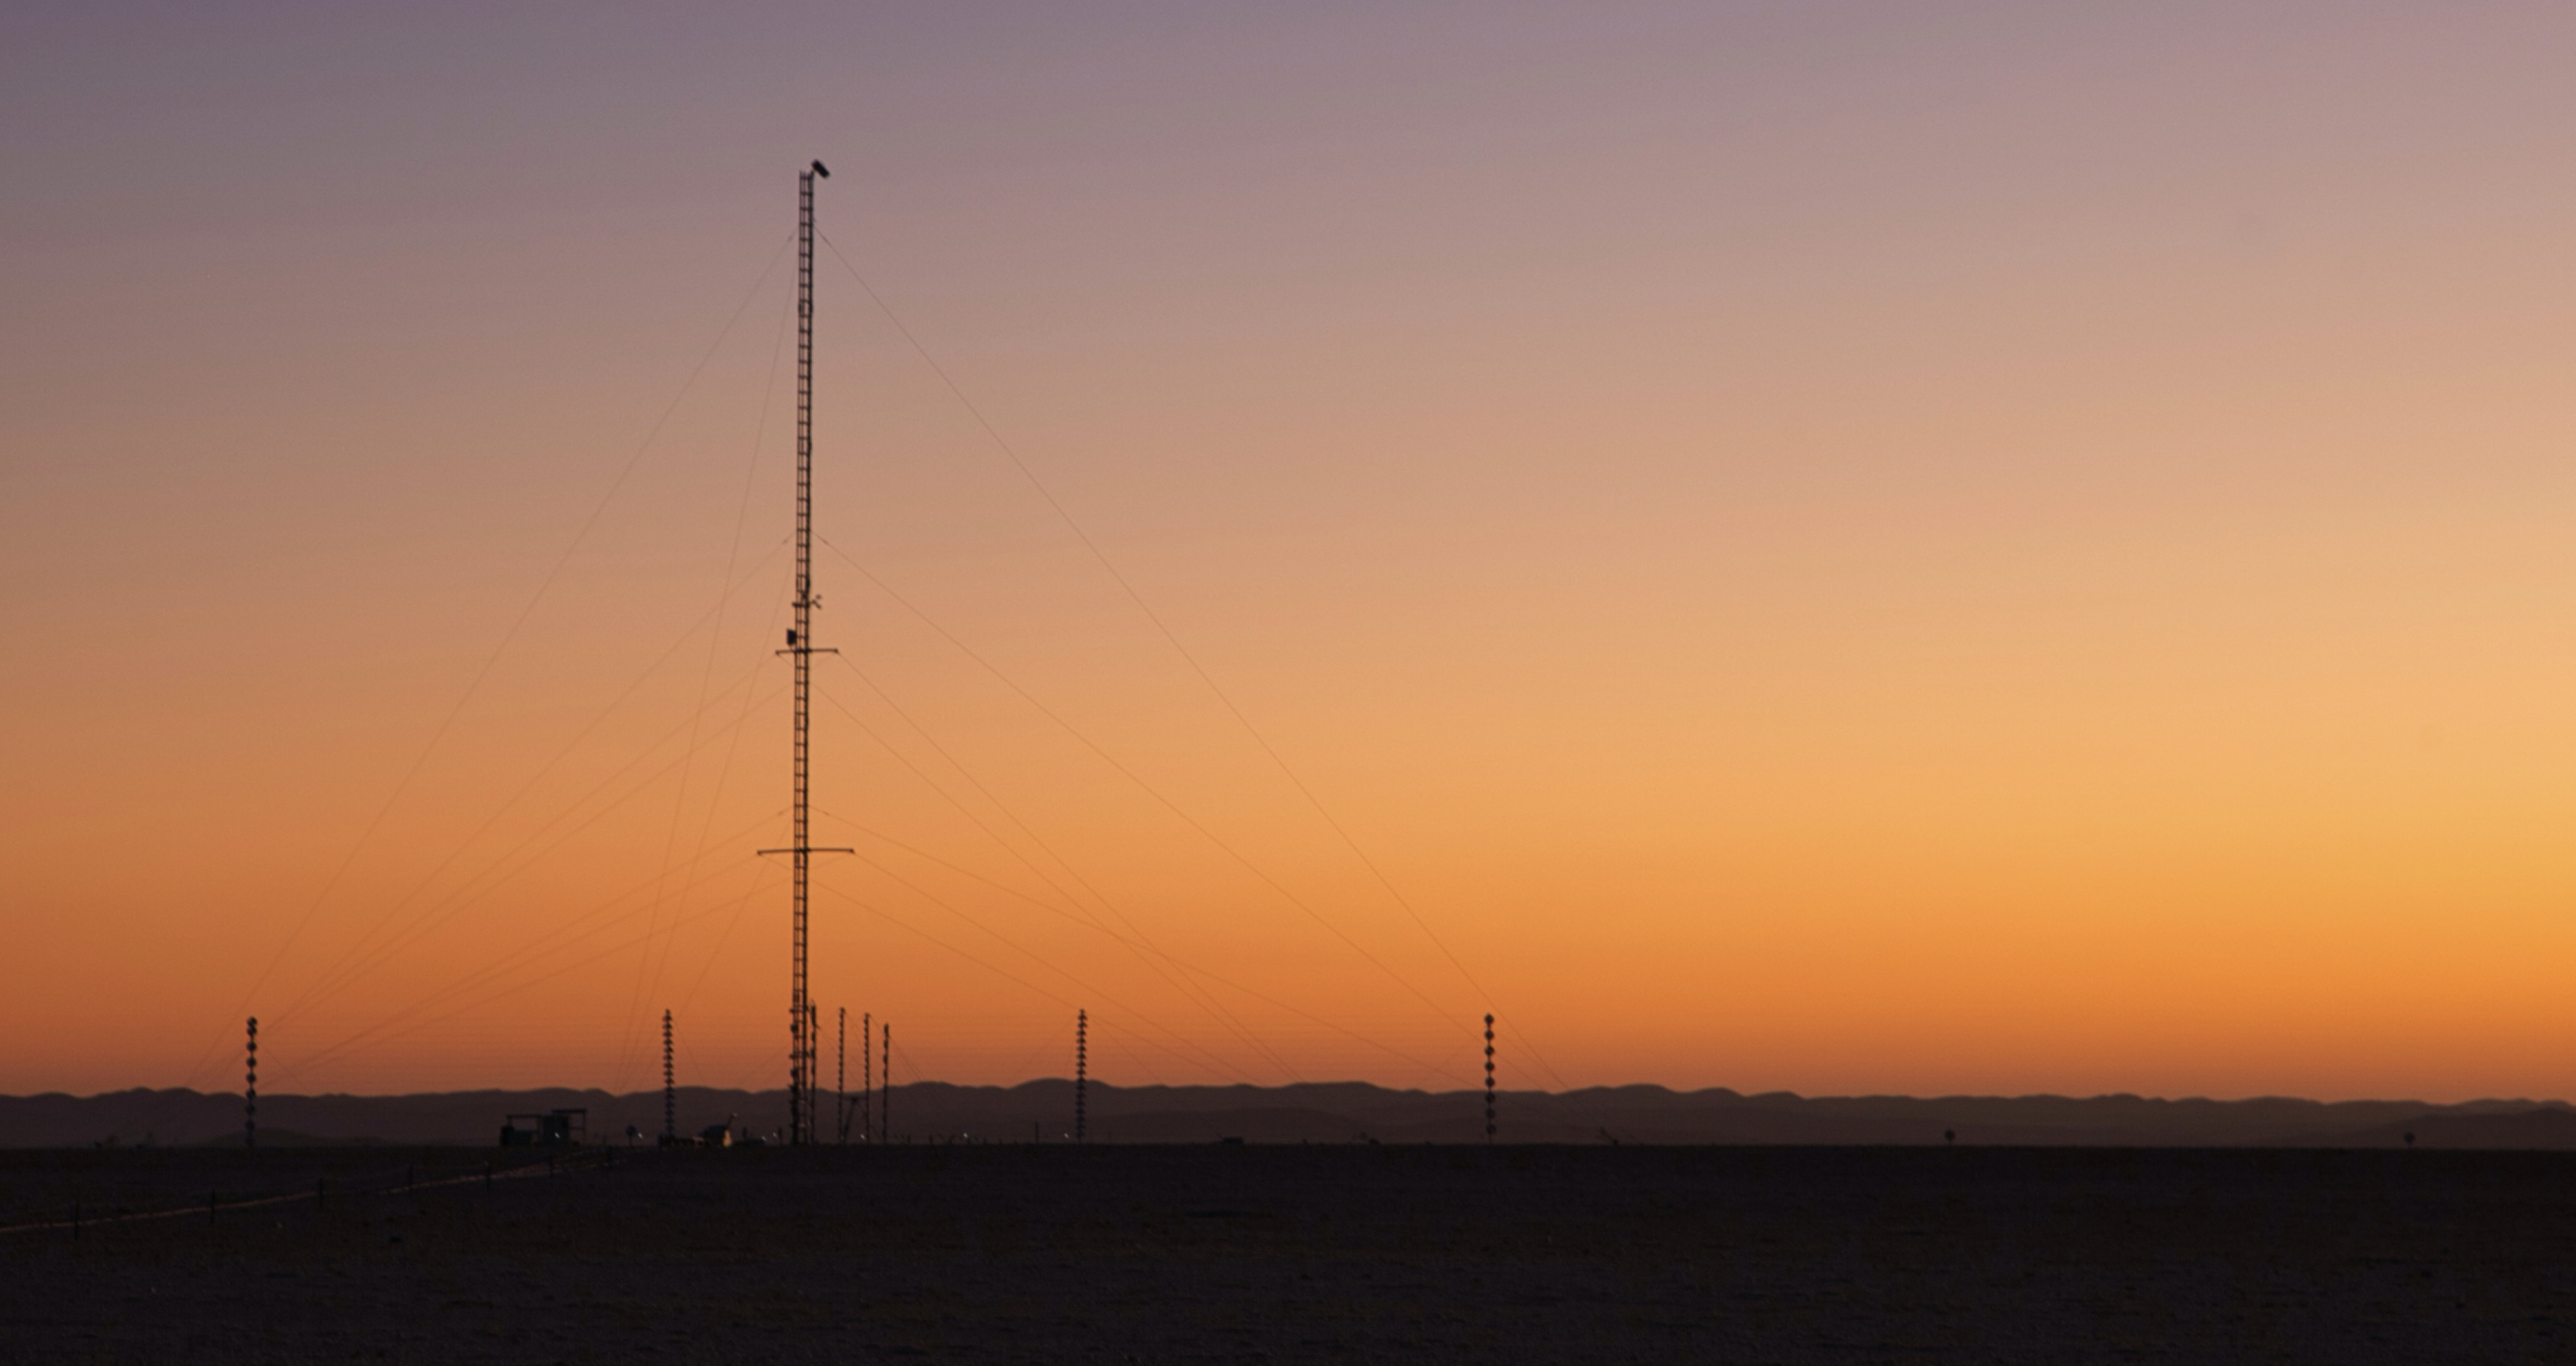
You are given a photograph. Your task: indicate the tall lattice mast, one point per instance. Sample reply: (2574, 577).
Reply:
(801, 1043)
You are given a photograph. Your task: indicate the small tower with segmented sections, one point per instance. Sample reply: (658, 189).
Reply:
(250, 1084)
(1489, 1078)
(670, 1088)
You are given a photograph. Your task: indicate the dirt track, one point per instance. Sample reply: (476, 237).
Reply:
(1305, 1253)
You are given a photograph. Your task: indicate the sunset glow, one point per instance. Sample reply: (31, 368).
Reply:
(1839, 548)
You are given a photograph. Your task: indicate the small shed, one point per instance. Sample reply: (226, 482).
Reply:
(552, 1129)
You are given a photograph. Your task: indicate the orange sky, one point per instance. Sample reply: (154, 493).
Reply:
(1835, 548)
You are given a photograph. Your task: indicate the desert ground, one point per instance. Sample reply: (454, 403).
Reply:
(1224, 1252)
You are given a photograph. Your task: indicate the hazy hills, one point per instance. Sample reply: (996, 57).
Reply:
(1345, 1112)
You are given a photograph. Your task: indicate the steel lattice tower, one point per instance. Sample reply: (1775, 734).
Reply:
(250, 1085)
(801, 1043)
(800, 636)
(1489, 1078)
(670, 1089)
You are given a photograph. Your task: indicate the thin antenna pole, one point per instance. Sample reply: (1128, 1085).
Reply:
(1489, 1078)
(670, 1090)
(867, 1078)
(885, 1092)
(250, 1085)
(841, 1076)
(1081, 1069)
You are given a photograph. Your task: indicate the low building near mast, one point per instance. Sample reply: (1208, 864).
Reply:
(552, 1129)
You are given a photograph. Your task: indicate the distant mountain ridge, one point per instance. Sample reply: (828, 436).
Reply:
(1332, 1112)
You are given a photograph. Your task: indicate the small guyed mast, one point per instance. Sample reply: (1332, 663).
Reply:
(803, 1035)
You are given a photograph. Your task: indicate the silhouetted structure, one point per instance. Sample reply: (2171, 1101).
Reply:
(885, 1092)
(800, 637)
(552, 1129)
(1489, 1078)
(250, 1084)
(867, 1075)
(841, 1075)
(1081, 1069)
(670, 1088)
(801, 1042)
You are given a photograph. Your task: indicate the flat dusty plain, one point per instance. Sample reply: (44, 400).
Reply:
(1296, 1253)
